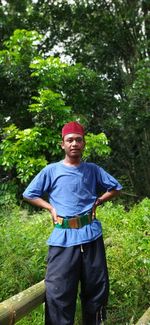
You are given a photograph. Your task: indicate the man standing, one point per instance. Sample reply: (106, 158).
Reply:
(76, 250)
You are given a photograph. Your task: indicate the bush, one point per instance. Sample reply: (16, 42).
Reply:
(128, 260)
(8, 196)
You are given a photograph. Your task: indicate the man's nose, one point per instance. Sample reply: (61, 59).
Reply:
(74, 142)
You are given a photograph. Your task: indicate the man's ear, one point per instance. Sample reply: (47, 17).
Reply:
(62, 144)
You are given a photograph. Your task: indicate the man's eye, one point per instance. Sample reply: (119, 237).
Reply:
(72, 140)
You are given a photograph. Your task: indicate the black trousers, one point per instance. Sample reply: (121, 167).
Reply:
(66, 267)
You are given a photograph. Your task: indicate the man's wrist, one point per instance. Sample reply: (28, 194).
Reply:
(99, 201)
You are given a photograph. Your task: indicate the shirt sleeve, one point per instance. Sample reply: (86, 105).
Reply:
(107, 182)
(39, 185)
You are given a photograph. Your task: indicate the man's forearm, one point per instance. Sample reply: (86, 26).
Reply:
(107, 196)
(39, 202)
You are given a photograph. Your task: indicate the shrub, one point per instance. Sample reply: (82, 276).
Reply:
(128, 260)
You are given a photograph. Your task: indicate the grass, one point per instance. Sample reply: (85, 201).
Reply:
(23, 238)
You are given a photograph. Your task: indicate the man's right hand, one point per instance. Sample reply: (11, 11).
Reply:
(53, 214)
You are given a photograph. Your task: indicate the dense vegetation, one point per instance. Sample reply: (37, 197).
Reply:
(23, 258)
(86, 60)
(103, 82)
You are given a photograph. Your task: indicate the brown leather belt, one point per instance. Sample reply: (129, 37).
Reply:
(74, 222)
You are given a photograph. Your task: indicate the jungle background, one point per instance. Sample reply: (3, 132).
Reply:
(85, 60)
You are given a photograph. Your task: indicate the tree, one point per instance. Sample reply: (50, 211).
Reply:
(17, 88)
(24, 151)
(138, 131)
(110, 38)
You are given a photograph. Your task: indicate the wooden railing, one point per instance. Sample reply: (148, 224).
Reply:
(145, 319)
(16, 307)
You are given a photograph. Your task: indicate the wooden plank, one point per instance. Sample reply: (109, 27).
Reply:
(16, 307)
(145, 319)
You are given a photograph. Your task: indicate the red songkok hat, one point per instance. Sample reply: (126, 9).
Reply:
(72, 127)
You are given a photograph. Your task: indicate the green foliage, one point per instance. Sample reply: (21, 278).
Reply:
(128, 260)
(8, 196)
(20, 50)
(24, 236)
(50, 109)
(35, 317)
(96, 146)
(20, 149)
(49, 70)
(25, 152)
(136, 134)
(81, 88)
(17, 87)
(106, 83)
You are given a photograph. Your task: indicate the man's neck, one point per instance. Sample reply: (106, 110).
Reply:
(71, 161)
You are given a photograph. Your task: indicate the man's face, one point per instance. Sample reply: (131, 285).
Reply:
(73, 144)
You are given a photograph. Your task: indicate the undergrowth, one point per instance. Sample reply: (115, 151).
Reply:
(24, 250)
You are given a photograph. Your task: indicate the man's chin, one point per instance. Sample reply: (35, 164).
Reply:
(76, 154)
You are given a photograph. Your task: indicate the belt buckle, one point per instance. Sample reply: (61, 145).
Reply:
(79, 221)
(73, 222)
